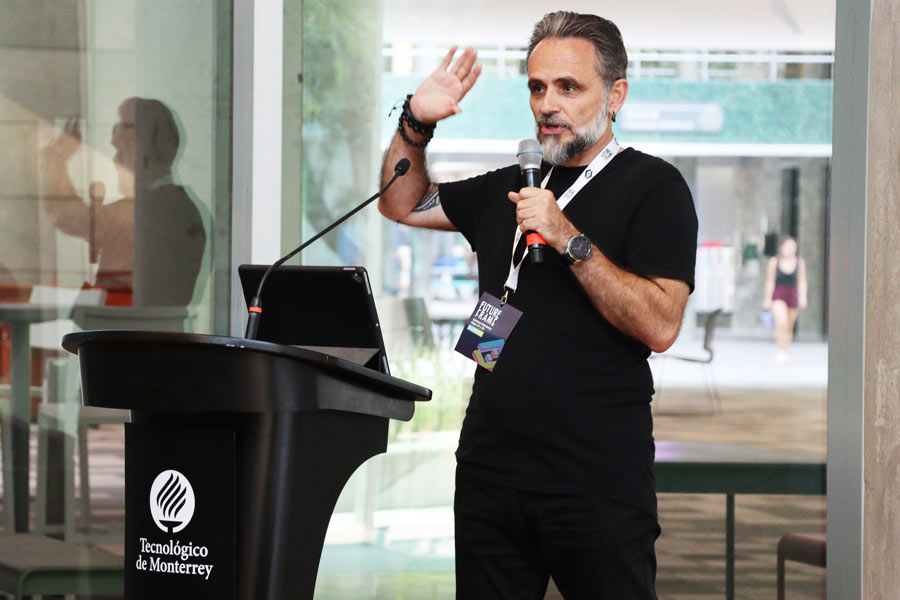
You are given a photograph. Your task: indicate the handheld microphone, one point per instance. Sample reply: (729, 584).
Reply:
(255, 308)
(529, 156)
(97, 192)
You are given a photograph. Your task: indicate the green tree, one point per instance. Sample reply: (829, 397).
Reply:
(342, 68)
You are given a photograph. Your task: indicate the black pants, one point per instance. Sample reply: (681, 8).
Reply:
(509, 542)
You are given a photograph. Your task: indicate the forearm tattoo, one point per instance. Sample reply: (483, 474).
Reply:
(429, 200)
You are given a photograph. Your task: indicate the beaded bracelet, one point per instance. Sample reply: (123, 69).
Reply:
(414, 124)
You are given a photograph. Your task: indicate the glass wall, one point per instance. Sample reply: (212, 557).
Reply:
(115, 128)
(746, 119)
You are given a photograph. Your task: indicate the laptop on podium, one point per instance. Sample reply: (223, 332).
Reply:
(326, 309)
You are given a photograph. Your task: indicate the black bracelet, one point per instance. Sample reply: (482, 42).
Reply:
(407, 139)
(414, 124)
(411, 120)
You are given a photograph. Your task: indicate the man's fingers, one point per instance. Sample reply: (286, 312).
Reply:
(72, 129)
(464, 65)
(524, 193)
(531, 223)
(446, 62)
(525, 211)
(469, 79)
(530, 192)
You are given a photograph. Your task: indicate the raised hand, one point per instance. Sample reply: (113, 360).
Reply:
(67, 143)
(439, 95)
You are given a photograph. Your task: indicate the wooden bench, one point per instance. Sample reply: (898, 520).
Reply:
(33, 565)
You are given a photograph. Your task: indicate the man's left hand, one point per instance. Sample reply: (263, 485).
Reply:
(537, 210)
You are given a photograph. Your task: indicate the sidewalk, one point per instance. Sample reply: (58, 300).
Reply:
(745, 364)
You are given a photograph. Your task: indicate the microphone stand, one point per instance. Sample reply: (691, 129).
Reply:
(255, 308)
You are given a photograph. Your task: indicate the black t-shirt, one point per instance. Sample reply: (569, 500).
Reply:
(169, 243)
(566, 409)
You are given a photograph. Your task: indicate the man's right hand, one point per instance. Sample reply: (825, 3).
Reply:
(414, 200)
(67, 143)
(439, 95)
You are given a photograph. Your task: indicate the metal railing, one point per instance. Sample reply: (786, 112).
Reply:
(703, 65)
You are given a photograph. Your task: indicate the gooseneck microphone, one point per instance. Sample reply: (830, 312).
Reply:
(529, 156)
(255, 309)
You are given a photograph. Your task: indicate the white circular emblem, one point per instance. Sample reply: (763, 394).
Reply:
(171, 501)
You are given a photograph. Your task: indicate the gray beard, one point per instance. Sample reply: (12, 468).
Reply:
(557, 153)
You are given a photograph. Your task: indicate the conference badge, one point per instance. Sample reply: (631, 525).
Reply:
(487, 330)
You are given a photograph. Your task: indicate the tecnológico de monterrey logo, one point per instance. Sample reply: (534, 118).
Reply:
(171, 501)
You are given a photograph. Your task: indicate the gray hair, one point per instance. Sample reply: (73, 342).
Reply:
(612, 60)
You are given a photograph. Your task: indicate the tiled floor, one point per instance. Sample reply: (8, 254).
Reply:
(691, 548)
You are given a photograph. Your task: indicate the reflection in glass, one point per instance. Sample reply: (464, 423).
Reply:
(148, 245)
(115, 127)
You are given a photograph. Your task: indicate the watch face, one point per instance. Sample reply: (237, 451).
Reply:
(580, 247)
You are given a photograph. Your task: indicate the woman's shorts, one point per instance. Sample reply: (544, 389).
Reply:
(787, 294)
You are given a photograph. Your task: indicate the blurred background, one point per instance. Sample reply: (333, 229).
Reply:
(738, 96)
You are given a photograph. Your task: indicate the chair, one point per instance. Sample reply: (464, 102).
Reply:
(45, 336)
(704, 360)
(61, 412)
(9, 498)
(808, 549)
(33, 565)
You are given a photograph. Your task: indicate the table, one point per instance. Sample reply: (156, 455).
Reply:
(20, 316)
(32, 565)
(713, 468)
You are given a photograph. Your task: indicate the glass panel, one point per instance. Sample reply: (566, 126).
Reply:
(748, 126)
(114, 214)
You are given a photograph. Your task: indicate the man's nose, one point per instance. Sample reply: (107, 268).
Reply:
(549, 103)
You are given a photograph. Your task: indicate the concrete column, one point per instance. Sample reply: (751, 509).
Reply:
(757, 204)
(864, 323)
(812, 240)
(881, 509)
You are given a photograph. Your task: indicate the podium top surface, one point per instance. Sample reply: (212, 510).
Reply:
(186, 372)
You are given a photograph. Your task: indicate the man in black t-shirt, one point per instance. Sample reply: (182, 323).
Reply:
(555, 461)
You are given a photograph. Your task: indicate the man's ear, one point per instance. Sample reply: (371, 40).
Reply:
(617, 94)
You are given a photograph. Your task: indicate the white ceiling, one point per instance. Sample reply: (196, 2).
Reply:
(790, 25)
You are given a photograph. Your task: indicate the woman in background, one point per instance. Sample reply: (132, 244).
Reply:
(785, 294)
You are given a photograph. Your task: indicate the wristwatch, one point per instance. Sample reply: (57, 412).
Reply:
(578, 249)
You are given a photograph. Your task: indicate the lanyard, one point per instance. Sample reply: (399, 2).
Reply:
(597, 165)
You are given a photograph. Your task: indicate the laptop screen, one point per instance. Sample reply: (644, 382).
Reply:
(328, 309)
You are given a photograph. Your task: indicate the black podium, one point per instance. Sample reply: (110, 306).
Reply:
(235, 456)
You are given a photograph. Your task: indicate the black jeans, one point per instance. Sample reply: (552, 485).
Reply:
(509, 542)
